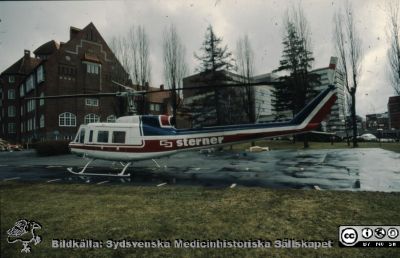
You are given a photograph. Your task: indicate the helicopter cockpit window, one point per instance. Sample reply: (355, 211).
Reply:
(118, 137)
(102, 136)
(82, 136)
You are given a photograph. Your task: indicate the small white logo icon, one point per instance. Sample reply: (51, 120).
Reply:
(349, 236)
(380, 233)
(367, 233)
(392, 233)
(24, 232)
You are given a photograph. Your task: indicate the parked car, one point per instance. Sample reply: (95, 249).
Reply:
(387, 140)
(367, 137)
(14, 147)
(3, 145)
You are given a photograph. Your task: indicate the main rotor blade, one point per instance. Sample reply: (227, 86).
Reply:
(85, 95)
(216, 86)
(123, 86)
(132, 91)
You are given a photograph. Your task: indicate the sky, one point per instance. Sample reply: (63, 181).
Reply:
(27, 25)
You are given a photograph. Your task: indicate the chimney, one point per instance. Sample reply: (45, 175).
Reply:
(73, 32)
(333, 62)
(162, 87)
(27, 53)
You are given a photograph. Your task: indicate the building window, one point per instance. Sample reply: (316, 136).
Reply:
(102, 136)
(40, 74)
(67, 119)
(11, 127)
(11, 94)
(30, 84)
(92, 118)
(22, 127)
(22, 90)
(41, 101)
(41, 121)
(22, 110)
(31, 105)
(11, 79)
(155, 107)
(111, 119)
(67, 72)
(92, 102)
(11, 111)
(92, 68)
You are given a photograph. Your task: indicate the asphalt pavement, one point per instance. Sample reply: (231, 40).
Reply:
(336, 169)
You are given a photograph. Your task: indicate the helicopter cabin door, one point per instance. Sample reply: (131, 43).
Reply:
(134, 136)
(133, 127)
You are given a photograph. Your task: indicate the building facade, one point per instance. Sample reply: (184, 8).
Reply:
(394, 112)
(377, 121)
(82, 65)
(330, 75)
(263, 96)
(202, 103)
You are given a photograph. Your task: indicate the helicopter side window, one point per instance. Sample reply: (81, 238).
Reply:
(91, 136)
(118, 137)
(102, 136)
(82, 136)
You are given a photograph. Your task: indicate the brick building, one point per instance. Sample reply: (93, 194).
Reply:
(394, 112)
(377, 121)
(202, 103)
(83, 64)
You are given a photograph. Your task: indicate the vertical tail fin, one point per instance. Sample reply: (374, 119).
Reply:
(318, 108)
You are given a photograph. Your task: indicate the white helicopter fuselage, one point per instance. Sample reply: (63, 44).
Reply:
(133, 138)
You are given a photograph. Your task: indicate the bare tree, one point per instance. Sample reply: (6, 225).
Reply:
(175, 66)
(348, 47)
(245, 66)
(132, 50)
(393, 12)
(143, 65)
(120, 48)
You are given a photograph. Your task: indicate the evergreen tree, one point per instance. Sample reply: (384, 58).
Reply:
(215, 59)
(298, 84)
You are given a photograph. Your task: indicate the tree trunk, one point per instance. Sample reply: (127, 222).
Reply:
(346, 127)
(305, 141)
(353, 117)
(217, 107)
(174, 106)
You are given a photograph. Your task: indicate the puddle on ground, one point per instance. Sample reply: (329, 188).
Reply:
(347, 169)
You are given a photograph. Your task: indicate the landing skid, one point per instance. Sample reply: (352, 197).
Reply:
(82, 172)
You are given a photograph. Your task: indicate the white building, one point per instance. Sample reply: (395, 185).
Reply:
(263, 96)
(331, 76)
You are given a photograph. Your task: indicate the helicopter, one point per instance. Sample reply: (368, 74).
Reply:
(141, 137)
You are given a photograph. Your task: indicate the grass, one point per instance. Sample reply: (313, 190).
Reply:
(71, 211)
(281, 145)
